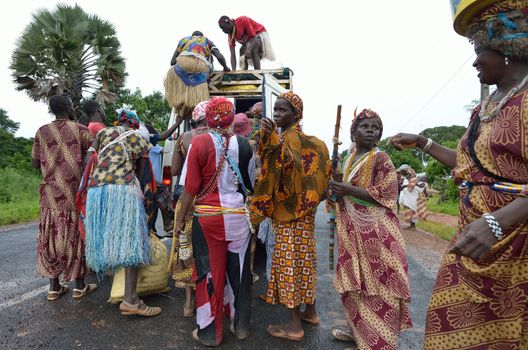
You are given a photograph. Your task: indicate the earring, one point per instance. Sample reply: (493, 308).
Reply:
(506, 61)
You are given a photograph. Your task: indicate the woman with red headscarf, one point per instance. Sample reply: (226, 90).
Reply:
(218, 175)
(371, 272)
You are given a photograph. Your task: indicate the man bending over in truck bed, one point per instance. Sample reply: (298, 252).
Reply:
(252, 36)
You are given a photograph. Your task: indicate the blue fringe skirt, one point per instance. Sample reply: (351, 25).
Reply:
(116, 227)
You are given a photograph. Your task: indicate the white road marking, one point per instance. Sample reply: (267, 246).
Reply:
(21, 298)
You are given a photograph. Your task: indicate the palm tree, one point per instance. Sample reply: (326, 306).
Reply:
(67, 51)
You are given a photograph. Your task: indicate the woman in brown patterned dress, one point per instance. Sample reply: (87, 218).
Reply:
(58, 152)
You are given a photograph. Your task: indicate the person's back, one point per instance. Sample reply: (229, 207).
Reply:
(58, 152)
(60, 146)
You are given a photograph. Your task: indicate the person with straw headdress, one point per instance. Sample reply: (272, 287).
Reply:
(371, 272)
(218, 174)
(480, 298)
(186, 81)
(292, 182)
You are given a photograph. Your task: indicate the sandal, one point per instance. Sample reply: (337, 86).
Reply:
(342, 335)
(188, 312)
(134, 309)
(314, 321)
(88, 288)
(56, 294)
(277, 332)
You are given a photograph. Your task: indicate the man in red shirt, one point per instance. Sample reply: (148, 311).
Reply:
(251, 35)
(97, 116)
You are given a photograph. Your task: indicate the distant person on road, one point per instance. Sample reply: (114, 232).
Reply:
(371, 272)
(409, 197)
(59, 151)
(97, 116)
(252, 36)
(186, 80)
(116, 223)
(292, 183)
(218, 174)
(479, 300)
(182, 253)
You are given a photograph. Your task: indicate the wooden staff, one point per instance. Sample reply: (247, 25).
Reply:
(336, 177)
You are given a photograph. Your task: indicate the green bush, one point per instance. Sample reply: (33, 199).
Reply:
(19, 196)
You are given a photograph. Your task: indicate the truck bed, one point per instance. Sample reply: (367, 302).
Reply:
(246, 82)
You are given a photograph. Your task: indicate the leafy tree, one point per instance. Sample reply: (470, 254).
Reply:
(152, 108)
(15, 152)
(7, 124)
(68, 51)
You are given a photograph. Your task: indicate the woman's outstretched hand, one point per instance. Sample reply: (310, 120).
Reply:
(402, 141)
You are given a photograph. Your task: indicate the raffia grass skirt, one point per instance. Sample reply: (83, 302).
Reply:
(116, 228)
(181, 97)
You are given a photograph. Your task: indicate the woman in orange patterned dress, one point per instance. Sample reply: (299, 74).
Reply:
(293, 180)
(371, 272)
(480, 299)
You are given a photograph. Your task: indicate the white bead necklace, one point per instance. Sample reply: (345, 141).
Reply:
(485, 117)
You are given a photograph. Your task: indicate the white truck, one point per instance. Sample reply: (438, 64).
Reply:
(244, 88)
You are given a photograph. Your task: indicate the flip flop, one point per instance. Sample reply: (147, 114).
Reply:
(88, 288)
(277, 332)
(314, 321)
(263, 297)
(134, 309)
(56, 294)
(342, 335)
(188, 312)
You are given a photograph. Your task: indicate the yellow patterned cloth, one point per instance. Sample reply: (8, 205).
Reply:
(484, 304)
(294, 175)
(182, 268)
(294, 263)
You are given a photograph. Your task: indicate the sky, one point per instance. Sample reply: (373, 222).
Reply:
(399, 58)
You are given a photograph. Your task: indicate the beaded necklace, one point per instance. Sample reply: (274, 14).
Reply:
(485, 104)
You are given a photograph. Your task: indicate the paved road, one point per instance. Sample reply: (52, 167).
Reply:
(28, 321)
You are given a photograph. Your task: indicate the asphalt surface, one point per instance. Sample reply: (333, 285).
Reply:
(29, 321)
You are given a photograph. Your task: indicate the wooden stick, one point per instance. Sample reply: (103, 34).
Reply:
(335, 162)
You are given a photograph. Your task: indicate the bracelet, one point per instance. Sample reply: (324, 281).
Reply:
(494, 226)
(427, 145)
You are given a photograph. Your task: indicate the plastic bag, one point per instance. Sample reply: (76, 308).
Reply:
(152, 279)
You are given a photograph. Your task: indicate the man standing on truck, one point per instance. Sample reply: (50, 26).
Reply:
(253, 36)
(186, 81)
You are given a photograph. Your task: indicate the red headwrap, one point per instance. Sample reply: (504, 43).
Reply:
(219, 113)
(366, 114)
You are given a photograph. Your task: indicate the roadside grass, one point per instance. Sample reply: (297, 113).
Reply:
(449, 207)
(19, 196)
(443, 231)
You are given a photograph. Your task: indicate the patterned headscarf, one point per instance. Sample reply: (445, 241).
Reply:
(128, 115)
(219, 113)
(256, 109)
(295, 101)
(198, 113)
(366, 114)
(500, 7)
